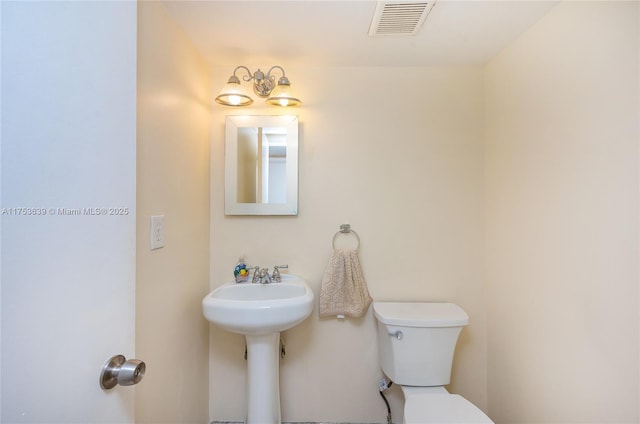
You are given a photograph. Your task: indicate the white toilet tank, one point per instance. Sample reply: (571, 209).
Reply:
(416, 341)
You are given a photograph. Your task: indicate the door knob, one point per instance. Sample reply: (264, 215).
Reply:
(119, 370)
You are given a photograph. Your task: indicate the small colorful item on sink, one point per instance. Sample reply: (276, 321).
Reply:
(241, 273)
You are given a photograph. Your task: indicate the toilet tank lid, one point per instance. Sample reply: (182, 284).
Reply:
(420, 314)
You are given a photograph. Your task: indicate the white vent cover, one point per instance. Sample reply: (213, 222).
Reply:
(399, 17)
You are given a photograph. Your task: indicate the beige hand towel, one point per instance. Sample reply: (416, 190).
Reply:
(343, 290)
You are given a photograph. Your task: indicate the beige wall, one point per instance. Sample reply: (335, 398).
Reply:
(405, 169)
(174, 109)
(562, 219)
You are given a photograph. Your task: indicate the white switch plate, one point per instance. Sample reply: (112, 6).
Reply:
(157, 232)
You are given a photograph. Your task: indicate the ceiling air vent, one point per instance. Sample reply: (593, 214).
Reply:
(399, 17)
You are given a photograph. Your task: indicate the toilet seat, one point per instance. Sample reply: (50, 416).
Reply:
(441, 408)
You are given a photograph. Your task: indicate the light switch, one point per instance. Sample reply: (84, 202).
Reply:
(157, 232)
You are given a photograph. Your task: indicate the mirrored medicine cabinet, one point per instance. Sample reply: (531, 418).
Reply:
(261, 165)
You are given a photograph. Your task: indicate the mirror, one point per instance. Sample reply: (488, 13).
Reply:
(261, 165)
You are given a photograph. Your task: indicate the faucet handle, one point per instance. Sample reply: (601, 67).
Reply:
(276, 272)
(256, 274)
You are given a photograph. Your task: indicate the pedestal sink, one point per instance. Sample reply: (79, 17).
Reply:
(260, 312)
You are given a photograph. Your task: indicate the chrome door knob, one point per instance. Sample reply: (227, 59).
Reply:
(120, 371)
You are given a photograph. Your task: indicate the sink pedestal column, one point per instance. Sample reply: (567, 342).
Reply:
(263, 380)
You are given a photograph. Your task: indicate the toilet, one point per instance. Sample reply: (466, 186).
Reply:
(416, 342)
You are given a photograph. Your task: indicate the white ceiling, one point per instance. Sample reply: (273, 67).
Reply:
(335, 33)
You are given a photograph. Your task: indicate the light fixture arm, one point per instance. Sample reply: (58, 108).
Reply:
(263, 84)
(234, 78)
(283, 79)
(274, 67)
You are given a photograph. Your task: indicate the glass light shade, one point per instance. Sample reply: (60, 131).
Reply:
(283, 96)
(232, 94)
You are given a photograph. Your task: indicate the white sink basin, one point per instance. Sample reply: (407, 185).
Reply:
(254, 309)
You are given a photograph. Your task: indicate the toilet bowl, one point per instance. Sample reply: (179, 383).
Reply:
(424, 405)
(416, 342)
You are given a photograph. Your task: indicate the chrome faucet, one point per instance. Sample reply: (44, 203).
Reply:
(263, 276)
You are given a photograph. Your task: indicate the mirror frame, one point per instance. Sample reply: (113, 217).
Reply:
(232, 124)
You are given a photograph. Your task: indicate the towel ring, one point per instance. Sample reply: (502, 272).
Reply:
(345, 229)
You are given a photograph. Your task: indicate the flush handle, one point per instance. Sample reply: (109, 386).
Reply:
(398, 335)
(120, 371)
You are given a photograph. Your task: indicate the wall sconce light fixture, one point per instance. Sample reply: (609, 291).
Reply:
(232, 94)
